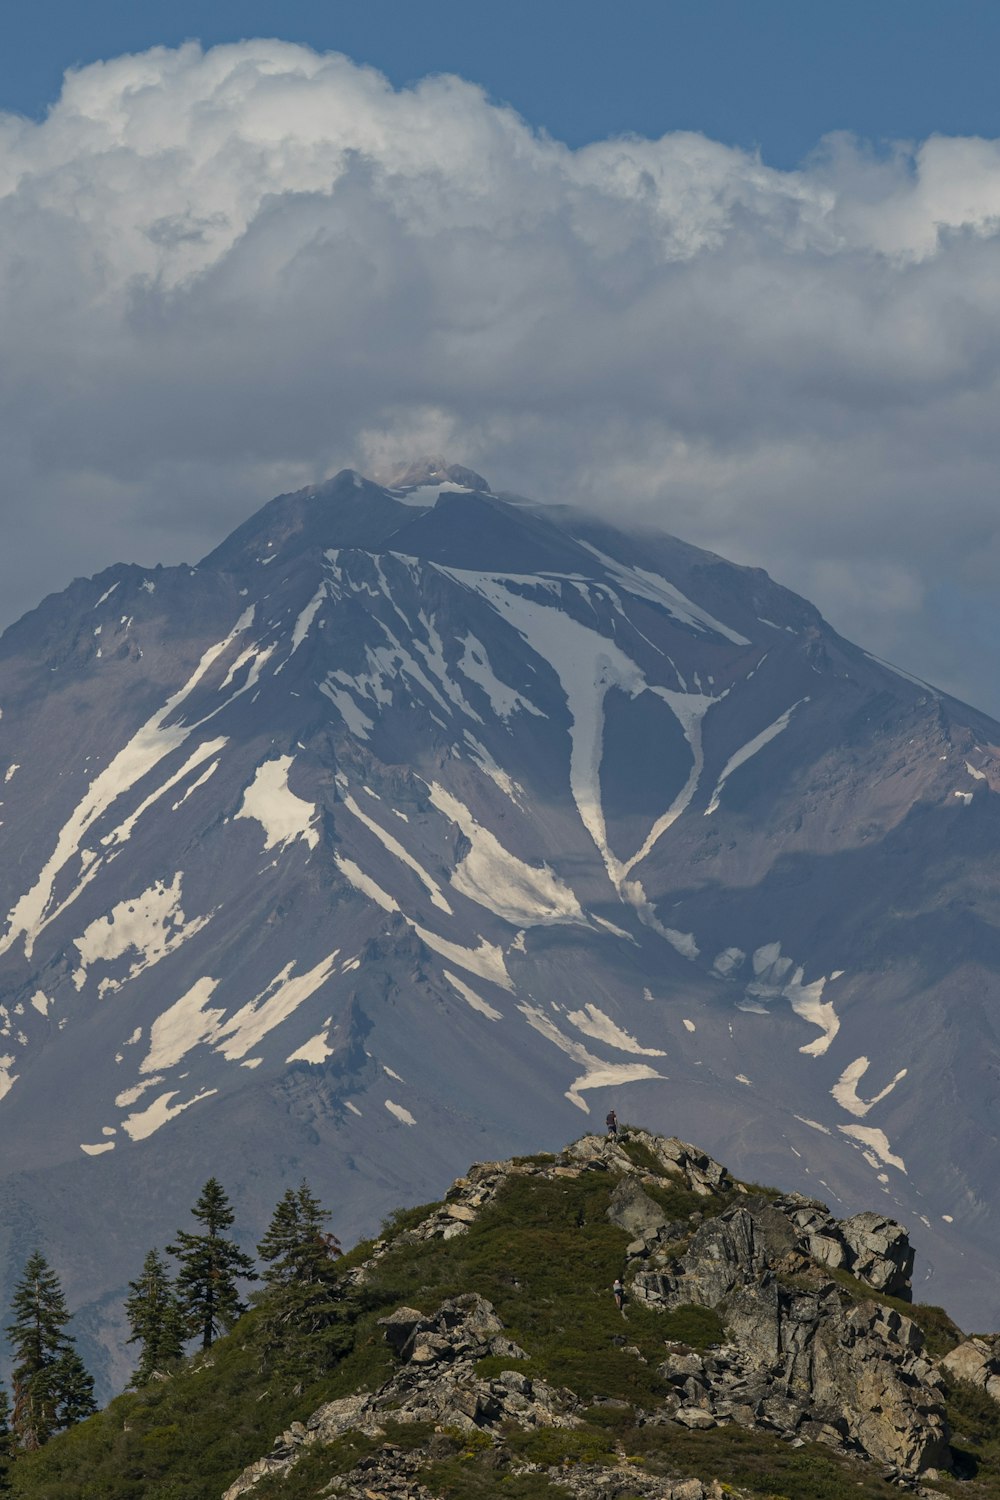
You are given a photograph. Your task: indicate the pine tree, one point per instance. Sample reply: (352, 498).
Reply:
(52, 1389)
(155, 1319)
(210, 1266)
(302, 1308)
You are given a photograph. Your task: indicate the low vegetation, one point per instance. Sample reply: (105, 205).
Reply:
(545, 1255)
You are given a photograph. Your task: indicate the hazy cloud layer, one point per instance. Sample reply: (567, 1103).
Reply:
(226, 274)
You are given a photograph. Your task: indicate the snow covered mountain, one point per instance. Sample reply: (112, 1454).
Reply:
(416, 820)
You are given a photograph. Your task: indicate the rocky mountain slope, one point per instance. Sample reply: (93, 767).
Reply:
(417, 820)
(764, 1348)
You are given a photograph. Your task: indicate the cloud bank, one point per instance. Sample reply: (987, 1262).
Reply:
(226, 274)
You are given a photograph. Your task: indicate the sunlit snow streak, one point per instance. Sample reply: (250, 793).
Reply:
(191, 1022)
(182, 1026)
(525, 895)
(597, 1073)
(145, 1121)
(592, 1021)
(658, 590)
(121, 834)
(241, 1033)
(305, 619)
(316, 1050)
(504, 700)
(807, 1001)
(487, 960)
(189, 791)
(588, 665)
(145, 749)
(750, 749)
(877, 1141)
(471, 998)
(403, 855)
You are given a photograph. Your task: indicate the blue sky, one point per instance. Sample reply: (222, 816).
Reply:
(773, 74)
(539, 239)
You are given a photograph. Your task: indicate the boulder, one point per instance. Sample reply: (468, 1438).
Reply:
(977, 1360)
(880, 1253)
(633, 1210)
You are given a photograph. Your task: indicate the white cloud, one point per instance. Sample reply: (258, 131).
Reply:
(225, 274)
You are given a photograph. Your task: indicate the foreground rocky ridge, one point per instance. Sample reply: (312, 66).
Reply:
(808, 1348)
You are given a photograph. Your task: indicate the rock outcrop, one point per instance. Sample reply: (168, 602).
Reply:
(436, 1383)
(977, 1361)
(809, 1354)
(804, 1355)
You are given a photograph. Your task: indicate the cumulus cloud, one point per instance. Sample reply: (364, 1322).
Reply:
(226, 274)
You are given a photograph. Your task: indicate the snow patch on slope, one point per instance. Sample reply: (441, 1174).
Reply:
(471, 998)
(490, 875)
(241, 1033)
(845, 1090)
(597, 1073)
(145, 1122)
(474, 663)
(396, 848)
(588, 665)
(269, 802)
(152, 924)
(747, 751)
(317, 1049)
(594, 1023)
(486, 960)
(155, 740)
(179, 1028)
(878, 1143)
(121, 834)
(657, 590)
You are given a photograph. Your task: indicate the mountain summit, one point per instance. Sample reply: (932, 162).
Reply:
(415, 821)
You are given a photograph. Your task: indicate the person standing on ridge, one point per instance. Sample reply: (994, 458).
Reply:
(612, 1124)
(619, 1295)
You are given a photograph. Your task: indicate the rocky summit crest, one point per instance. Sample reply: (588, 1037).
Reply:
(745, 1309)
(414, 473)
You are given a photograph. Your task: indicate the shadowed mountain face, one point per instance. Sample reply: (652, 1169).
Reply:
(414, 822)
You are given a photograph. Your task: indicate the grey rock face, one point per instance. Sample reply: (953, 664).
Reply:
(880, 1253)
(632, 1208)
(977, 1360)
(801, 1359)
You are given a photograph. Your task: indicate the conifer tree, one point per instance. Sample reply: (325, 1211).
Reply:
(210, 1266)
(301, 1309)
(296, 1248)
(155, 1319)
(52, 1389)
(6, 1443)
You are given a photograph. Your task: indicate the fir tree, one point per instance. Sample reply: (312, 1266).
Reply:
(210, 1266)
(155, 1320)
(302, 1308)
(296, 1248)
(52, 1389)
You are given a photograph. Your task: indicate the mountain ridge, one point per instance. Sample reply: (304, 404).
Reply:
(391, 827)
(475, 1347)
